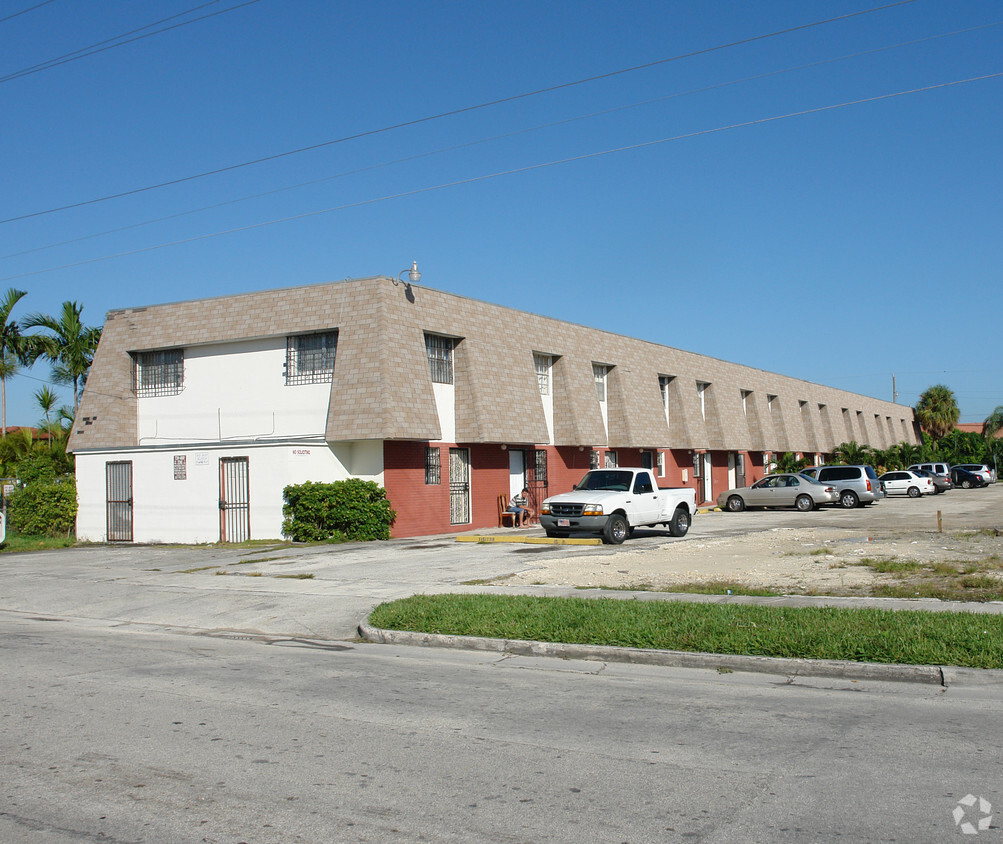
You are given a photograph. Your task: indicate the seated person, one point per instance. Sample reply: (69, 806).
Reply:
(520, 506)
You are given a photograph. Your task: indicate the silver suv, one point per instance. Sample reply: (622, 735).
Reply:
(857, 485)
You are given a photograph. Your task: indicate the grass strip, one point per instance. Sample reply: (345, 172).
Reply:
(864, 635)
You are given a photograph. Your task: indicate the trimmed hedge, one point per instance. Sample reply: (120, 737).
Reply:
(44, 508)
(352, 509)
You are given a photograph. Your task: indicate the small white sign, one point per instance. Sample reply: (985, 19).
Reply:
(201, 458)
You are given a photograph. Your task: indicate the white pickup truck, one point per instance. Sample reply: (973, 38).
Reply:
(612, 502)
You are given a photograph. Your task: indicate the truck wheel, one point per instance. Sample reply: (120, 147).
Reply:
(615, 530)
(680, 523)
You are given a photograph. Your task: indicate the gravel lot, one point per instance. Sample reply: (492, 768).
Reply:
(788, 551)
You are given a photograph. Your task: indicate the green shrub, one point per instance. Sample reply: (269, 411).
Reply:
(44, 508)
(356, 509)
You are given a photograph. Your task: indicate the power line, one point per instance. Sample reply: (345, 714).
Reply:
(103, 46)
(512, 134)
(516, 170)
(25, 11)
(454, 112)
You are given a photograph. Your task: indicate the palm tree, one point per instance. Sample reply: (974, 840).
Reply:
(937, 411)
(12, 350)
(993, 423)
(69, 348)
(852, 453)
(46, 399)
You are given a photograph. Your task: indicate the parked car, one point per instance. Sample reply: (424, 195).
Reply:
(857, 485)
(934, 468)
(965, 479)
(941, 483)
(981, 469)
(779, 491)
(904, 482)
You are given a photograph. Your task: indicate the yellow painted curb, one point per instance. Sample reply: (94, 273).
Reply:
(528, 540)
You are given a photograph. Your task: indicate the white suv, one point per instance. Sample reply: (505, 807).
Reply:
(942, 469)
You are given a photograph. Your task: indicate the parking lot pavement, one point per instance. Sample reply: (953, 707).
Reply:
(324, 591)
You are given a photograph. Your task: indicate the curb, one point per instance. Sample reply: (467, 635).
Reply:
(928, 674)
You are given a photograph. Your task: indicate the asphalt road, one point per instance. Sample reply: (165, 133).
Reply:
(139, 703)
(123, 734)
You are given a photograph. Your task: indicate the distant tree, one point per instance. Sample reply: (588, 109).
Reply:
(908, 453)
(993, 423)
(69, 346)
(46, 399)
(12, 348)
(937, 411)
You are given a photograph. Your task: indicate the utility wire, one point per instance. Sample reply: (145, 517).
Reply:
(107, 44)
(454, 112)
(25, 11)
(512, 134)
(516, 170)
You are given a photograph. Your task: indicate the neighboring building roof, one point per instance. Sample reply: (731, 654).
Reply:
(381, 388)
(974, 428)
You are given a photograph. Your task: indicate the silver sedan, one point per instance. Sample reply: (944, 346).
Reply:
(779, 491)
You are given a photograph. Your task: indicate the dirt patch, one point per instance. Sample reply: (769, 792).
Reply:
(787, 560)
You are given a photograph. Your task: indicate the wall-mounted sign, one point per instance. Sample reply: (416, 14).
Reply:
(201, 458)
(180, 467)
(301, 452)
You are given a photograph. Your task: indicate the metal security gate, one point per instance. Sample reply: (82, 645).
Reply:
(118, 495)
(536, 477)
(459, 486)
(234, 500)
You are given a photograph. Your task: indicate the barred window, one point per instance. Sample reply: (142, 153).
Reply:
(540, 465)
(599, 371)
(440, 357)
(542, 364)
(159, 373)
(432, 465)
(310, 358)
(593, 459)
(611, 461)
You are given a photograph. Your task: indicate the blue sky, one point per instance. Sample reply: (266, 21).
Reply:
(844, 245)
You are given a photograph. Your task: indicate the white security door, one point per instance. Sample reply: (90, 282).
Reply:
(459, 486)
(516, 471)
(708, 490)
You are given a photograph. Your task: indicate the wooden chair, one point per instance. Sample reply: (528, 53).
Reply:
(502, 514)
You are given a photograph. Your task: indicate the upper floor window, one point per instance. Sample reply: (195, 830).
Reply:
(310, 358)
(770, 401)
(745, 401)
(542, 364)
(663, 389)
(702, 393)
(159, 373)
(440, 357)
(599, 372)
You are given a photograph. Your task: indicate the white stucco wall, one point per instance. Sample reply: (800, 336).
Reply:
(234, 391)
(187, 511)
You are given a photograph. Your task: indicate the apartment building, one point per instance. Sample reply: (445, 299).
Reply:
(197, 414)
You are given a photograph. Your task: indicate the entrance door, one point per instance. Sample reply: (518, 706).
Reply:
(740, 469)
(459, 486)
(516, 471)
(708, 489)
(118, 495)
(234, 500)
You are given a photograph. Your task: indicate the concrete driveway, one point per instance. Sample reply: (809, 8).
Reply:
(257, 591)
